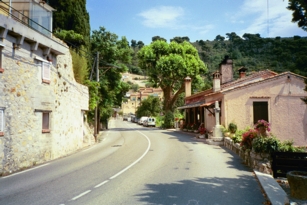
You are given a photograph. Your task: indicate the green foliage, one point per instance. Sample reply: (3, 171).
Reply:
(149, 107)
(237, 138)
(299, 8)
(232, 127)
(70, 37)
(79, 66)
(114, 53)
(93, 93)
(265, 144)
(135, 87)
(287, 146)
(168, 120)
(168, 64)
(72, 15)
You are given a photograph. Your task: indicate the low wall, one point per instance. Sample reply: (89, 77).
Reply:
(259, 162)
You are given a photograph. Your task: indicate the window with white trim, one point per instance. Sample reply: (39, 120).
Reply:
(46, 72)
(45, 69)
(1, 122)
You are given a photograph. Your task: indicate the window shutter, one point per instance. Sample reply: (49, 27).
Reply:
(1, 120)
(45, 121)
(46, 71)
(261, 111)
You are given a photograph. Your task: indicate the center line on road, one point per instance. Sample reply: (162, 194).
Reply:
(80, 195)
(125, 169)
(98, 185)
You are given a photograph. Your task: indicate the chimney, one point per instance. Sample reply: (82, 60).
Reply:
(226, 70)
(188, 89)
(242, 72)
(216, 81)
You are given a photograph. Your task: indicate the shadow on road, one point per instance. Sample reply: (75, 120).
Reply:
(240, 190)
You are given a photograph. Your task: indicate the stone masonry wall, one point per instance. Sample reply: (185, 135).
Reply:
(23, 96)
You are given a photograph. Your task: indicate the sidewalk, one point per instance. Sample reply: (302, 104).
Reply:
(274, 192)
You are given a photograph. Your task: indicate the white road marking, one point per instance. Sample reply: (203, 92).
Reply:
(128, 167)
(80, 195)
(98, 185)
(26, 170)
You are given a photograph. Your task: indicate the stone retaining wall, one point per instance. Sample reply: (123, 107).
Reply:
(259, 162)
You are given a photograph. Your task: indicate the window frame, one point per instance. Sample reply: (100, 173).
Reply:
(2, 121)
(266, 112)
(46, 126)
(1, 58)
(45, 67)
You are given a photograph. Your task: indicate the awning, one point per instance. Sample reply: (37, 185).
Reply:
(207, 104)
(191, 105)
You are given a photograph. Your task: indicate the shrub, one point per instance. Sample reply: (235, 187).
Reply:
(247, 139)
(232, 127)
(263, 144)
(287, 146)
(237, 138)
(168, 120)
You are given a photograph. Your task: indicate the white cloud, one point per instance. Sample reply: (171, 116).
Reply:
(163, 16)
(269, 18)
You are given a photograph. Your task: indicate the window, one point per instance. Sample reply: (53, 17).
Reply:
(45, 127)
(45, 120)
(1, 58)
(46, 72)
(261, 111)
(1, 122)
(45, 69)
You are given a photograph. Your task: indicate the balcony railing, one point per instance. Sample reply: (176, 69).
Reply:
(7, 10)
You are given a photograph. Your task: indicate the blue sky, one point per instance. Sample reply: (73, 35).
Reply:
(140, 20)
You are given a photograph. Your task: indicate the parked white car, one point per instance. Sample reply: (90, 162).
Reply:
(150, 122)
(142, 119)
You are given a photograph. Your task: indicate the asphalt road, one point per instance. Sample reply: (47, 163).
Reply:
(136, 165)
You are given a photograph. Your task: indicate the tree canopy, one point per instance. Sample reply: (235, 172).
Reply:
(299, 8)
(168, 64)
(114, 53)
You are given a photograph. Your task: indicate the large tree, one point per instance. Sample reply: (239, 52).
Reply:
(168, 64)
(299, 8)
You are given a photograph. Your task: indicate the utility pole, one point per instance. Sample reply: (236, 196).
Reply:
(96, 127)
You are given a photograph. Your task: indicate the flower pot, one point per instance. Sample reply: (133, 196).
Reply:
(298, 184)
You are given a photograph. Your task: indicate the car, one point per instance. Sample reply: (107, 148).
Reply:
(141, 120)
(150, 122)
(125, 118)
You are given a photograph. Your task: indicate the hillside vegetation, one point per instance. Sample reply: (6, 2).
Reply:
(251, 51)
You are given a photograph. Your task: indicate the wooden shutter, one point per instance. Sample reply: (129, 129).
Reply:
(1, 120)
(261, 111)
(45, 120)
(45, 71)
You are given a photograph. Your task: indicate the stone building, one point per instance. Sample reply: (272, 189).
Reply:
(42, 107)
(261, 95)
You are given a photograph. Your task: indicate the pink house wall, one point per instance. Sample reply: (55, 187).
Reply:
(287, 112)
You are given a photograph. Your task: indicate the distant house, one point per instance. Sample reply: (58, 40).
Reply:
(42, 107)
(261, 95)
(134, 99)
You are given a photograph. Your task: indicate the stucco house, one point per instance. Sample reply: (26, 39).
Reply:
(261, 95)
(42, 107)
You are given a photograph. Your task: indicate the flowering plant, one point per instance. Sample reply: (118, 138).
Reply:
(202, 129)
(194, 126)
(247, 138)
(189, 126)
(262, 123)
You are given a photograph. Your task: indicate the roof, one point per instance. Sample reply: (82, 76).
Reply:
(250, 80)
